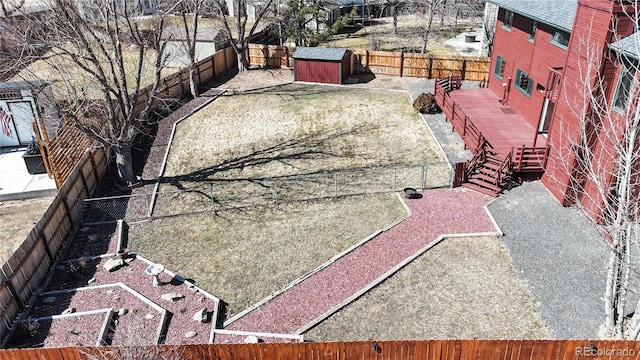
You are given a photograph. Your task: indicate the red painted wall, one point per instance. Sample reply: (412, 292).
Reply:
(327, 72)
(592, 26)
(534, 58)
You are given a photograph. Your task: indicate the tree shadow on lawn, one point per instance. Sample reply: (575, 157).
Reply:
(308, 147)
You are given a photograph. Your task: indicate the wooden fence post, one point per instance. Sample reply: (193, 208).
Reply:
(401, 62)
(14, 293)
(430, 76)
(464, 69)
(46, 246)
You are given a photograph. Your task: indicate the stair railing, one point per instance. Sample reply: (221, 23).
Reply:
(479, 158)
(505, 169)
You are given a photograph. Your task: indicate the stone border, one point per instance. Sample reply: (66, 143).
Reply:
(163, 312)
(214, 315)
(103, 330)
(320, 267)
(298, 337)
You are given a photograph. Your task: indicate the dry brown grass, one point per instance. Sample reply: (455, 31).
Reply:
(17, 219)
(68, 78)
(241, 257)
(407, 39)
(239, 144)
(461, 288)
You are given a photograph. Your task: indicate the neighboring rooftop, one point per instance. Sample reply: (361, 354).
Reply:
(557, 13)
(629, 45)
(318, 53)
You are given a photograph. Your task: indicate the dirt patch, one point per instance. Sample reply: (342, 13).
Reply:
(18, 218)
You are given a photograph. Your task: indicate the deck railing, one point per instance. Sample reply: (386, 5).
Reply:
(524, 158)
(461, 123)
(530, 159)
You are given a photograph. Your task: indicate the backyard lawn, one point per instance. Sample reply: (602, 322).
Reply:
(461, 289)
(242, 256)
(239, 145)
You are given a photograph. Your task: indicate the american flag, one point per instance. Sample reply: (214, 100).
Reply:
(5, 120)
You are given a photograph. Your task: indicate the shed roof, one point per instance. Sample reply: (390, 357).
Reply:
(629, 45)
(22, 85)
(318, 53)
(557, 13)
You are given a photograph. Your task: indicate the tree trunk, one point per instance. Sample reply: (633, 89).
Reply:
(394, 12)
(124, 164)
(242, 61)
(192, 82)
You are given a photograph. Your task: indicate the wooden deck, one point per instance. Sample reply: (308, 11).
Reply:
(500, 125)
(481, 120)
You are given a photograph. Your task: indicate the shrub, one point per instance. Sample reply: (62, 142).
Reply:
(426, 104)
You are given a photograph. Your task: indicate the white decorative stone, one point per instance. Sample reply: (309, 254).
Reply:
(251, 339)
(91, 281)
(172, 297)
(149, 316)
(192, 288)
(110, 291)
(70, 310)
(113, 264)
(190, 334)
(201, 315)
(123, 311)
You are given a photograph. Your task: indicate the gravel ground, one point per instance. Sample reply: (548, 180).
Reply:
(559, 254)
(140, 323)
(438, 212)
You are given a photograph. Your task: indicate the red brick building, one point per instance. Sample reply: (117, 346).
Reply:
(526, 121)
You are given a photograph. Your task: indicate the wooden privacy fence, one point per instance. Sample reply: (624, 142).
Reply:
(27, 267)
(66, 148)
(77, 171)
(362, 350)
(384, 63)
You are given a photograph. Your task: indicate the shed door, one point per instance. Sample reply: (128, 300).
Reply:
(23, 116)
(8, 133)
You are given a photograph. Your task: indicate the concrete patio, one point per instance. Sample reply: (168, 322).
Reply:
(15, 181)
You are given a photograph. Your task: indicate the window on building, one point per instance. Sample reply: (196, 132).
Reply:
(499, 70)
(560, 38)
(523, 82)
(625, 83)
(507, 22)
(532, 31)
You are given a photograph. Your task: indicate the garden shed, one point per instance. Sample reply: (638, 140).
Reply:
(322, 65)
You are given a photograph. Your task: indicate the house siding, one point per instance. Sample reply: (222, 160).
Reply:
(592, 26)
(533, 57)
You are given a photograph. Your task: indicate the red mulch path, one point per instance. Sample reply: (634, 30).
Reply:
(438, 212)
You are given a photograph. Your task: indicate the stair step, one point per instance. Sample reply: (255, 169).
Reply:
(480, 189)
(484, 178)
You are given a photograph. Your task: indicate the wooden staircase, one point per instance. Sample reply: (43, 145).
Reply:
(489, 171)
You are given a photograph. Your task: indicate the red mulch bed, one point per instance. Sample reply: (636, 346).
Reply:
(438, 212)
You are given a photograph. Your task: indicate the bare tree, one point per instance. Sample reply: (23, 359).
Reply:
(240, 42)
(429, 9)
(191, 11)
(101, 58)
(601, 155)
